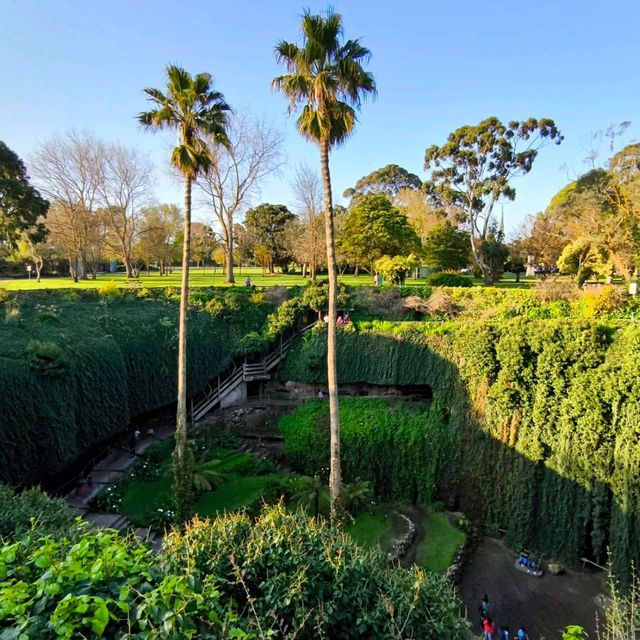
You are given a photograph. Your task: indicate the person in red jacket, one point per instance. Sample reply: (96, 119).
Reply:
(488, 628)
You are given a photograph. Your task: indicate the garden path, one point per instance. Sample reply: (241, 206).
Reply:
(544, 605)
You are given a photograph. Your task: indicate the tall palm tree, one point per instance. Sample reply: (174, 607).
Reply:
(194, 109)
(326, 78)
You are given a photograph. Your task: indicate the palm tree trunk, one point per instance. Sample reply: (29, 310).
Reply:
(183, 480)
(335, 474)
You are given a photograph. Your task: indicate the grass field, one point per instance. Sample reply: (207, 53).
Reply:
(441, 541)
(208, 278)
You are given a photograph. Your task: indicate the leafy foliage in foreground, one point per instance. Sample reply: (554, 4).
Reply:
(282, 576)
(104, 586)
(303, 577)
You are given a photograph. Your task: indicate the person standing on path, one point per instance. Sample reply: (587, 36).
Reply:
(484, 606)
(504, 633)
(488, 628)
(522, 634)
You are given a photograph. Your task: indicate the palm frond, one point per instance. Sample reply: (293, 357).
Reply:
(325, 76)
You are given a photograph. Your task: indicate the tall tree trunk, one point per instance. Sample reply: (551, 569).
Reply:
(183, 479)
(229, 250)
(335, 473)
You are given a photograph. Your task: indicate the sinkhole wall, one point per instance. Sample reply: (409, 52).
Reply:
(76, 367)
(543, 420)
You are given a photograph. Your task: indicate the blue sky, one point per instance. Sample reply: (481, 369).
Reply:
(71, 64)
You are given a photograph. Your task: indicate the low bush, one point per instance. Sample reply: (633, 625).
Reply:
(552, 289)
(379, 303)
(605, 301)
(110, 290)
(303, 579)
(31, 511)
(449, 280)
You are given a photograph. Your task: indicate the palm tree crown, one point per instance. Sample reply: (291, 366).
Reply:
(326, 77)
(191, 106)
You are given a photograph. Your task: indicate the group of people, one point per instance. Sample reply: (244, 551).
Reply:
(492, 631)
(342, 319)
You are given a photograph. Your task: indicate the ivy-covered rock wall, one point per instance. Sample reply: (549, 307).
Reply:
(545, 415)
(76, 367)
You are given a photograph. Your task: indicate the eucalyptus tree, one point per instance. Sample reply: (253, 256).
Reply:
(195, 110)
(473, 170)
(388, 181)
(326, 79)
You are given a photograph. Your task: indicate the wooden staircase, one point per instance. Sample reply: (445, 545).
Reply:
(237, 375)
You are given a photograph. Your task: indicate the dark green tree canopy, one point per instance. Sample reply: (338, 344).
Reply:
(387, 181)
(473, 169)
(267, 224)
(21, 205)
(375, 228)
(445, 247)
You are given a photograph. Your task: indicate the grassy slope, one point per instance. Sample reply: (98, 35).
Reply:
(142, 498)
(442, 539)
(234, 494)
(369, 529)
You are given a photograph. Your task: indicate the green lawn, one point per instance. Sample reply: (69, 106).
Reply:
(141, 500)
(369, 529)
(441, 541)
(207, 278)
(234, 494)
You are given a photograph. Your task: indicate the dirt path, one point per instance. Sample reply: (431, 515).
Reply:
(543, 605)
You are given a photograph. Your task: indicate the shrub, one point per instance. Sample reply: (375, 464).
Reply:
(441, 303)
(315, 580)
(605, 301)
(33, 510)
(109, 290)
(449, 280)
(47, 358)
(4, 295)
(105, 586)
(552, 289)
(276, 295)
(381, 303)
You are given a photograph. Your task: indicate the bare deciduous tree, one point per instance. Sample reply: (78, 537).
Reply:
(125, 191)
(236, 171)
(308, 236)
(98, 191)
(68, 170)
